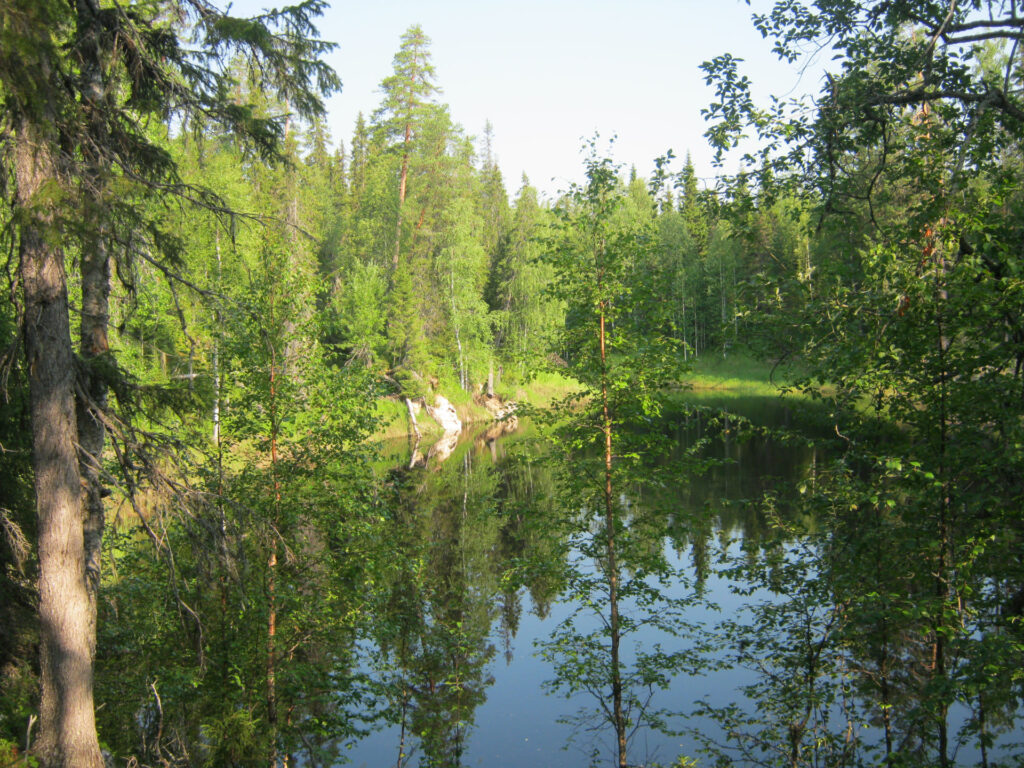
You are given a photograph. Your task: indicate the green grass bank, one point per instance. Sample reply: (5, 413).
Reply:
(711, 377)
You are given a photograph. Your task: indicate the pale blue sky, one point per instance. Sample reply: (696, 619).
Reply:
(547, 74)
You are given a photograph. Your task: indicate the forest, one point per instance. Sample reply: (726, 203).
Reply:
(216, 306)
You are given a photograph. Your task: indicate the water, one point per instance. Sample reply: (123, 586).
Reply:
(488, 488)
(481, 592)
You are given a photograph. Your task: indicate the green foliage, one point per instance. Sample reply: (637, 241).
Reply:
(618, 353)
(874, 243)
(406, 340)
(407, 92)
(11, 756)
(441, 595)
(17, 528)
(790, 638)
(358, 304)
(236, 739)
(461, 267)
(287, 474)
(272, 459)
(18, 694)
(525, 316)
(903, 309)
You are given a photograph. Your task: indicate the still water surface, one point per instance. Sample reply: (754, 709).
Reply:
(474, 509)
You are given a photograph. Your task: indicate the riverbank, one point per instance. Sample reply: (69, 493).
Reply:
(737, 375)
(710, 376)
(540, 392)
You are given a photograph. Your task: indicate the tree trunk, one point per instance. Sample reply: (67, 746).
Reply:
(67, 727)
(613, 569)
(95, 275)
(95, 272)
(463, 379)
(216, 358)
(403, 179)
(412, 419)
(272, 722)
(942, 570)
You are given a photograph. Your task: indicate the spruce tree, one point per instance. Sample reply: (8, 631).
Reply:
(79, 81)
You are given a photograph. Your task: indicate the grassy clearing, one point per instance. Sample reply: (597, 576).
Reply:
(540, 391)
(394, 419)
(737, 375)
(743, 385)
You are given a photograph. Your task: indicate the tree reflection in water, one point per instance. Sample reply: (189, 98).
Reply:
(485, 530)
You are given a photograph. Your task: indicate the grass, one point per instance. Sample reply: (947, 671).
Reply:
(744, 385)
(737, 375)
(394, 419)
(540, 391)
(712, 377)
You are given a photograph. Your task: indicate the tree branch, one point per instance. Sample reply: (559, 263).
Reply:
(990, 98)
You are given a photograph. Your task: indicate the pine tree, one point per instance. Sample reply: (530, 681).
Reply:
(407, 94)
(357, 167)
(407, 345)
(492, 197)
(690, 204)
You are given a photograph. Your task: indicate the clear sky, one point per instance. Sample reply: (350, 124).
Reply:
(548, 73)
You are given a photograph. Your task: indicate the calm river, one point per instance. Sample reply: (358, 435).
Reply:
(758, 627)
(471, 684)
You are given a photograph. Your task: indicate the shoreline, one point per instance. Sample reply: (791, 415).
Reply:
(738, 375)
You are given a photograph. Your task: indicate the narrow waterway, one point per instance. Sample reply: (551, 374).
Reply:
(473, 676)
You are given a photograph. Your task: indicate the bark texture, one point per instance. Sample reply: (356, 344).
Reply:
(95, 281)
(91, 432)
(67, 727)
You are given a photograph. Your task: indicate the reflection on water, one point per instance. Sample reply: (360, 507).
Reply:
(482, 567)
(779, 644)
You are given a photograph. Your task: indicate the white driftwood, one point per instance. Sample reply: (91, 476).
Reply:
(412, 418)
